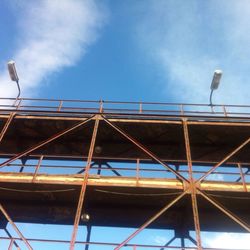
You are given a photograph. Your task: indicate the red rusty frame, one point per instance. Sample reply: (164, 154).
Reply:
(191, 183)
(191, 188)
(216, 203)
(153, 156)
(145, 150)
(39, 145)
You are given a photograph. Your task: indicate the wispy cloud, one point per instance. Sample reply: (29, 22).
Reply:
(51, 35)
(188, 40)
(160, 240)
(215, 177)
(229, 241)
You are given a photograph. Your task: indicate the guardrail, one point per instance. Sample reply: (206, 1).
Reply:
(118, 107)
(237, 174)
(109, 245)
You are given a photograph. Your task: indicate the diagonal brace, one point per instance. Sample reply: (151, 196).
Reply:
(39, 145)
(113, 170)
(6, 125)
(145, 150)
(224, 160)
(224, 210)
(168, 243)
(15, 227)
(152, 219)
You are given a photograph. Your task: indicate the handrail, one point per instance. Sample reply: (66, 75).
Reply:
(132, 246)
(124, 107)
(121, 102)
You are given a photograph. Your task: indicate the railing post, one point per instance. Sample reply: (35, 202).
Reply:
(60, 105)
(212, 108)
(17, 103)
(37, 168)
(137, 171)
(182, 110)
(140, 108)
(242, 177)
(101, 106)
(224, 110)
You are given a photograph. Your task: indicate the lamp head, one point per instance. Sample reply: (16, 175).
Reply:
(12, 71)
(216, 79)
(85, 217)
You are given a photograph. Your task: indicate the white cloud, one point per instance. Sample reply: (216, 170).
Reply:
(160, 240)
(229, 241)
(215, 177)
(51, 35)
(188, 40)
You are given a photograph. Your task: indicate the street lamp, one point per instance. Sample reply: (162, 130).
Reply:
(215, 83)
(13, 75)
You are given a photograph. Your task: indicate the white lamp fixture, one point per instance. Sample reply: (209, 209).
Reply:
(13, 75)
(215, 83)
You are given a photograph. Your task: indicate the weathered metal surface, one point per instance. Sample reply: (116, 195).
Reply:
(209, 142)
(186, 167)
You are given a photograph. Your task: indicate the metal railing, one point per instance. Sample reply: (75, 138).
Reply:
(110, 245)
(119, 107)
(136, 170)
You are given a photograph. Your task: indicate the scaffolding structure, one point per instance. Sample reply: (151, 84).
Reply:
(179, 167)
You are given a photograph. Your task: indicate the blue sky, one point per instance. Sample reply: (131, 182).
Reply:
(162, 50)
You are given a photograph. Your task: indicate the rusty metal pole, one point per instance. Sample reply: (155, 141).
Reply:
(192, 185)
(152, 219)
(15, 227)
(84, 184)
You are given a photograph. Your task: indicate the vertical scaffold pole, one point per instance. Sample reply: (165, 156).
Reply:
(84, 184)
(192, 185)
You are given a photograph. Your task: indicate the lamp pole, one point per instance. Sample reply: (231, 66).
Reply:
(215, 84)
(14, 76)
